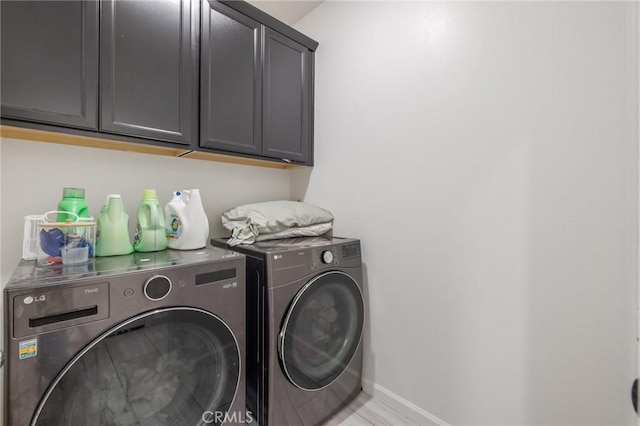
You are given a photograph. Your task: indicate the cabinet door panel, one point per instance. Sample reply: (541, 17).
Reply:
(231, 80)
(149, 54)
(287, 95)
(49, 62)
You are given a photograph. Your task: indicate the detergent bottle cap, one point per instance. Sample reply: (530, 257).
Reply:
(73, 193)
(150, 194)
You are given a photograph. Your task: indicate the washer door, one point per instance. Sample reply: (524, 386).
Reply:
(322, 330)
(167, 367)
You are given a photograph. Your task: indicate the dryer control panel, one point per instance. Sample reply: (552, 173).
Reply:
(350, 251)
(290, 260)
(324, 256)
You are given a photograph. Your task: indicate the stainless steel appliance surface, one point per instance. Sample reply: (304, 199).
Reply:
(305, 318)
(142, 339)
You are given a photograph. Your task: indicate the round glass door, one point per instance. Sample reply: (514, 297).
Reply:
(322, 330)
(167, 367)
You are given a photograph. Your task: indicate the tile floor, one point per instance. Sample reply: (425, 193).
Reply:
(366, 411)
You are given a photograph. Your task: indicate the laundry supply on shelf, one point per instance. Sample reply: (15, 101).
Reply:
(112, 238)
(187, 225)
(150, 229)
(275, 220)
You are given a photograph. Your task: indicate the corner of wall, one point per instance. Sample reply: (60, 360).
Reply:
(2, 283)
(299, 183)
(401, 405)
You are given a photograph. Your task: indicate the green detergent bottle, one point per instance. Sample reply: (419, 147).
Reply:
(73, 202)
(112, 238)
(150, 231)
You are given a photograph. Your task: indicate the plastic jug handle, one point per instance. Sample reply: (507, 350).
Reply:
(153, 214)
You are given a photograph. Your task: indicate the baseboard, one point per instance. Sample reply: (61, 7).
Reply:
(401, 405)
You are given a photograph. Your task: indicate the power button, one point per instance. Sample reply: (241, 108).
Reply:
(327, 257)
(128, 292)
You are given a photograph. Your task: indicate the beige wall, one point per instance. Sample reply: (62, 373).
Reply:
(486, 153)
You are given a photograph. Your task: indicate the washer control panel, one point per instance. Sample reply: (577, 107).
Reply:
(157, 287)
(41, 312)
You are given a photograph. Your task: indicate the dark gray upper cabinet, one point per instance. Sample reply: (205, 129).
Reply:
(256, 86)
(49, 62)
(231, 80)
(149, 63)
(287, 99)
(202, 75)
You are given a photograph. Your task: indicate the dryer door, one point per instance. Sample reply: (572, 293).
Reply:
(322, 330)
(174, 366)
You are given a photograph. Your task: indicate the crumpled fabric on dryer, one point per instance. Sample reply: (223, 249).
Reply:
(275, 220)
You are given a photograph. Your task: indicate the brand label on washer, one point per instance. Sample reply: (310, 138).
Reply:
(28, 348)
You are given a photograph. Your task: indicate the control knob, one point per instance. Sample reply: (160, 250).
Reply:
(157, 287)
(327, 257)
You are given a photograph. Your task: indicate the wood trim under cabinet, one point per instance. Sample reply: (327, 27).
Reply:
(212, 156)
(78, 140)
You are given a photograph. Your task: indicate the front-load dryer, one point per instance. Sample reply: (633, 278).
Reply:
(305, 319)
(143, 339)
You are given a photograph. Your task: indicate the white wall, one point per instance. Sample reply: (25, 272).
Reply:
(486, 154)
(34, 173)
(2, 282)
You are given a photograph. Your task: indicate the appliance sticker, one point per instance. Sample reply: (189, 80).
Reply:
(28, 348)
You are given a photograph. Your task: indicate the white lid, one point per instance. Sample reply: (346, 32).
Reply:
(114, 196)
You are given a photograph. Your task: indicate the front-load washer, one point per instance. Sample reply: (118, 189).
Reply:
(305, 319)
(143, 339)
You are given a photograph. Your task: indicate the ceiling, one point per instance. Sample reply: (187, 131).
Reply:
(288, 12)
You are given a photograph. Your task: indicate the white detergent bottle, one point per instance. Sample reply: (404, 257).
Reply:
(186, 221)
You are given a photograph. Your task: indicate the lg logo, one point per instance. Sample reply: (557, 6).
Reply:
(30, 299)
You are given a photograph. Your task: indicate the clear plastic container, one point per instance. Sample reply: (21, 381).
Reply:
(30, 236)
(74, 255)
(70, 242)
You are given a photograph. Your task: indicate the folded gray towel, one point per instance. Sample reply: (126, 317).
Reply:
(279, 219)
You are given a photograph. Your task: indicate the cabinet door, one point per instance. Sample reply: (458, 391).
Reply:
(231, 85)
(49, 57)
(287, 99)
(149, 57)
